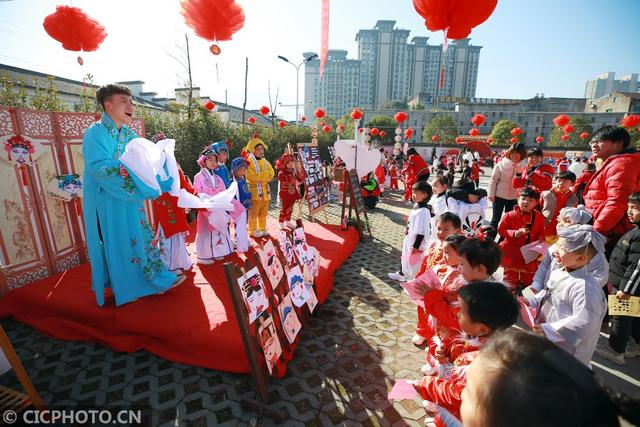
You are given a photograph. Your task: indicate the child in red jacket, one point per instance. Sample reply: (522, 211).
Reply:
(393, 175)
(560, 196)
(523, 225)
(289, 182)
(476, 170)
(536, 174)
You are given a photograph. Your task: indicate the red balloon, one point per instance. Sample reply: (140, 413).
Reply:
(456, 17)
(569, 128)
(400, 116)
(478, 120)
(251, 120)
(209, 105)
(74, 29)
(303, 119)
(564, 137)
(474, 132)
(539, 139)
(213, 19)
(319, 113)
(375, 131)
(282, 123)
(513, 140)
(264, 110)
(561, 120)
(382, 134)
(435, 138)
(516, 131)
(584, 135)
(630, 121)
(356, 114)
(326, 128)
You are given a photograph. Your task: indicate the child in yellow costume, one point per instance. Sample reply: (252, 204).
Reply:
(259, 174)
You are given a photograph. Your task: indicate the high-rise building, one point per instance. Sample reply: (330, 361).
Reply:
(388, 69)
(606, 83)
(337, 92)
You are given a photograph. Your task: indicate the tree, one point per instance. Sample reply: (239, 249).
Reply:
(635, 136)
(11, 95)
(442, 125)
(581, 125)
(47, 99)
(417, 106)
(386, 124)
(395, 105)
(88, 102)
(501, 132)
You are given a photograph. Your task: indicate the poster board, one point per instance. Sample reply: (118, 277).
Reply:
(356, 203)
(317, 193)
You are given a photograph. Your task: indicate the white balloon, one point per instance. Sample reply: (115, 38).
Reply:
(398, 131)
(397, 138)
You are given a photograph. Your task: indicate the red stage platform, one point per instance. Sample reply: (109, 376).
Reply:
(192, 324)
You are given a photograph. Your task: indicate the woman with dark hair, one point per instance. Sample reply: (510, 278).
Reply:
(501, 191)
(535, 174)
(415, 169)
(521, 379)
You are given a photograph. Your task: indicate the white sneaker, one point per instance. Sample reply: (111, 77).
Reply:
(427, 369)
(397, 276)
(265, 233)
(606, 352)
(418, 339)
(633, 349)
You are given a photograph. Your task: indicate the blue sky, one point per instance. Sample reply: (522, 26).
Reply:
(529, 47)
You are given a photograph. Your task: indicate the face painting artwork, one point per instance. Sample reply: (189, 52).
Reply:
(290, 322)
(297, 288)
(286, 247)
(271, 263)
(270, 343)
(253, 294)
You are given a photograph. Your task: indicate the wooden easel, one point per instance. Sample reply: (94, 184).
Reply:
(356, 203)
(12, 399)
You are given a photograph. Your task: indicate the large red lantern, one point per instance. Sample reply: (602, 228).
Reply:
(209, 105)
(516, 131)
(584, 135)
(630, 121)
(375, 131)
(400, 116)
(213, 20)
(282, 124)
(264, 110)
(319, 113)
(474, 132)
(569, 128)
(251, 120)
(539, 139)
(356, 114)
(561, 120)
(478, 120)
(435, 138)
(76, 30)
(456, 17)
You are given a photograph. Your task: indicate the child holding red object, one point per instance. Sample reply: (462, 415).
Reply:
(289, 183)
(523, 225)
(485, 307)
(560, 196)
(393, 175)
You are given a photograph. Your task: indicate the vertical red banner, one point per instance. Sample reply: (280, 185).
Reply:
(324, 35)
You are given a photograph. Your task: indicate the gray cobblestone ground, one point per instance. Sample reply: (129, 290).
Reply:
(351, 352)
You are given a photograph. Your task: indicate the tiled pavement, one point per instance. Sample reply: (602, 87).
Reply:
(351, 351)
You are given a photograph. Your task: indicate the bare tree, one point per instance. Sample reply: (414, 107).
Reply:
(273, 107)
(246, 74)
(185, 61)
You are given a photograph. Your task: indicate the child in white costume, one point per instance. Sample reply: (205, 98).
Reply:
(598, 267)
(416, 239)
(571, 308)
(212, 243)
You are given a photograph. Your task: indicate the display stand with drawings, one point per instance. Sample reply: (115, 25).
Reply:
(269, 324)
(356, 202)
(316, 192)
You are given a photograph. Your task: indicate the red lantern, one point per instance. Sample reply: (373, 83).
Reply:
(251, 120)
(539, 139)
(209, 105)
(213, 20)
(569, 128)
(459, 140)
(630, 121)
(564, 137)
(76, 30)
(303, 119)
(375, 131)
(400, 116)
(319, 113)
(456, 17)
(490, 140)
(408, 133)
(513, 140)
(356, 114)
(326, 128)
(435, 138)
(360, 130)
(340, 128)
(322, 123)
(561, 120)
(282, 124)
(584, 135)
(382, 134)
(264, 110)
(516, 131)
(474, 132)
(478, 120)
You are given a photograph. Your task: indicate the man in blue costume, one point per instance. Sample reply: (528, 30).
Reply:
(119, 237)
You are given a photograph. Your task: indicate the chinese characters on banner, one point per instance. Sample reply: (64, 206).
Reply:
(317, 193)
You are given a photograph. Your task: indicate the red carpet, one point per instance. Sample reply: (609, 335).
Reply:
(192, 324)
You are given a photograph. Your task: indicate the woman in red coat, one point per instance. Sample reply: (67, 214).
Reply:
(415, 169)
(536, 174)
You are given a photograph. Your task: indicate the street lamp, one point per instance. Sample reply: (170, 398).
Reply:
(297, 67)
